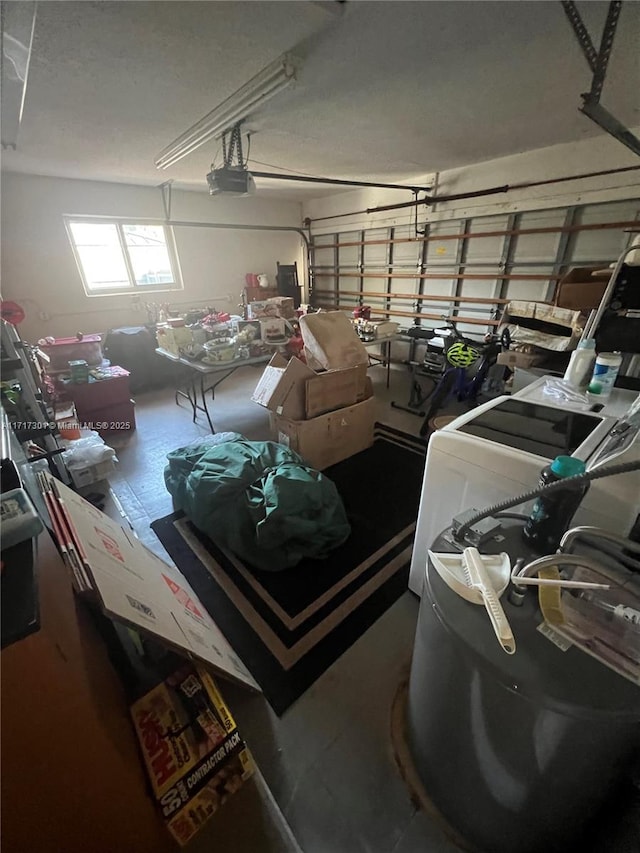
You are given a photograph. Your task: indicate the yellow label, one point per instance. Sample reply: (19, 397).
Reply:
(550, 598)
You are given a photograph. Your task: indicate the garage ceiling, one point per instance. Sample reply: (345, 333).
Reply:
(388, 91)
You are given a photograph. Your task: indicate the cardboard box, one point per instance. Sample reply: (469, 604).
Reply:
(329, 438)
(260, 309)
(580, 289)
(256, 293)
(385, 328)
(545, 326)
(335, 389)
(272, 330)
(510, 358)
(251, 327)
(89, 474)
(172, 340)
(293, 390)
(203, 762)
(281, 388)
(330, 338)
(284, 305)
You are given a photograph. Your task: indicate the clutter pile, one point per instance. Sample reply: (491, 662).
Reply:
(323, 409)
(539, 331)
(85, 388)
(214, 337)
(91, 401)
(88, 459)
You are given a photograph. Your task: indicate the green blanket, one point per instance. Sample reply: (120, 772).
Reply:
(257, 499)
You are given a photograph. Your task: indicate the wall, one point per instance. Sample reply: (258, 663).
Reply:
(590, 155)
(39, 269)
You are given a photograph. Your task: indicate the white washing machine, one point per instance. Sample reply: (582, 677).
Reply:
(497, 450)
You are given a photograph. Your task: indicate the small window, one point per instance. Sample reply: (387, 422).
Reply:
(124, 257)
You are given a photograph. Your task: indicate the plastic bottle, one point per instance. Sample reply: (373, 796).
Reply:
(552, 513)
(580, 365)
(605, 373)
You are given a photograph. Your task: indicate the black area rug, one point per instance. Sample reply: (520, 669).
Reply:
(289, 627)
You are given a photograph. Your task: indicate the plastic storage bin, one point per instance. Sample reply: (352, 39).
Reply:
(64, 350)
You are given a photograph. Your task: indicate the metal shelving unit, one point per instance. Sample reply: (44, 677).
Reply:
(38, 425)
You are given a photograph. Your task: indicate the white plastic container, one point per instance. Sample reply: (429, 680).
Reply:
(604, 374)
(580, 368)
(20, 520)
(88, 474)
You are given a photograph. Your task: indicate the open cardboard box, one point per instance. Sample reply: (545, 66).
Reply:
(291, 389)
(325, 417)
(546, 326)
(328, 414)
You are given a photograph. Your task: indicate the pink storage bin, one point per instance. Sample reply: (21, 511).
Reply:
(64, 350)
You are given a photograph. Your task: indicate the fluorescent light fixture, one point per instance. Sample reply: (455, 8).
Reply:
(18, 22)
(267, 83)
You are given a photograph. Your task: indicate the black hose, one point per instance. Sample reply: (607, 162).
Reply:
(587, 476)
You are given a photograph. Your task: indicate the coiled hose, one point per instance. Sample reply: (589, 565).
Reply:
(587, 476)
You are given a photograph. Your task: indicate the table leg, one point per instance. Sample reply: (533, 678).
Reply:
(202, 406)
(203, 393)
(388, 359)
(188, 394)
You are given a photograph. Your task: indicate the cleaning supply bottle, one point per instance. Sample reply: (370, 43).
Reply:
(552, 513)
(580, 365)
(605, 373)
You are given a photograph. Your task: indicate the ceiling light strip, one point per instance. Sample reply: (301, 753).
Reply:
(263, 86)
(228, 111)
(192, 140)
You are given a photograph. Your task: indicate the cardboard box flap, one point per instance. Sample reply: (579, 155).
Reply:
(334, 390)
(313, 363)
(282, 387)
(331, 339)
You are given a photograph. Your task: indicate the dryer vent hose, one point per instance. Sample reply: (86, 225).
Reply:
(587, 476)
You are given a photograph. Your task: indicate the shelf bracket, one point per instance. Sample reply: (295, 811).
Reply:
(598, 62)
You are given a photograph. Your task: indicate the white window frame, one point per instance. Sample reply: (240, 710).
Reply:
(134, 288)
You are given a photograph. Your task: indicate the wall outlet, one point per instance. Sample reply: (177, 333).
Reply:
(44, 316)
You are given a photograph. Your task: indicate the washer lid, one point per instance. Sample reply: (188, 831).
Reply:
(534, 428)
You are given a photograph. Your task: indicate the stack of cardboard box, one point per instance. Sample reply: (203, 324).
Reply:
(325, 414)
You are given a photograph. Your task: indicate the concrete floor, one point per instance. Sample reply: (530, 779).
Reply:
(327, 761)
(333, 777)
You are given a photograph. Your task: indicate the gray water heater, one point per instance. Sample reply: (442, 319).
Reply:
(518, 751)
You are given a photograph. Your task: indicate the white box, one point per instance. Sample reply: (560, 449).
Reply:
(89, 474)
(272, 330)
